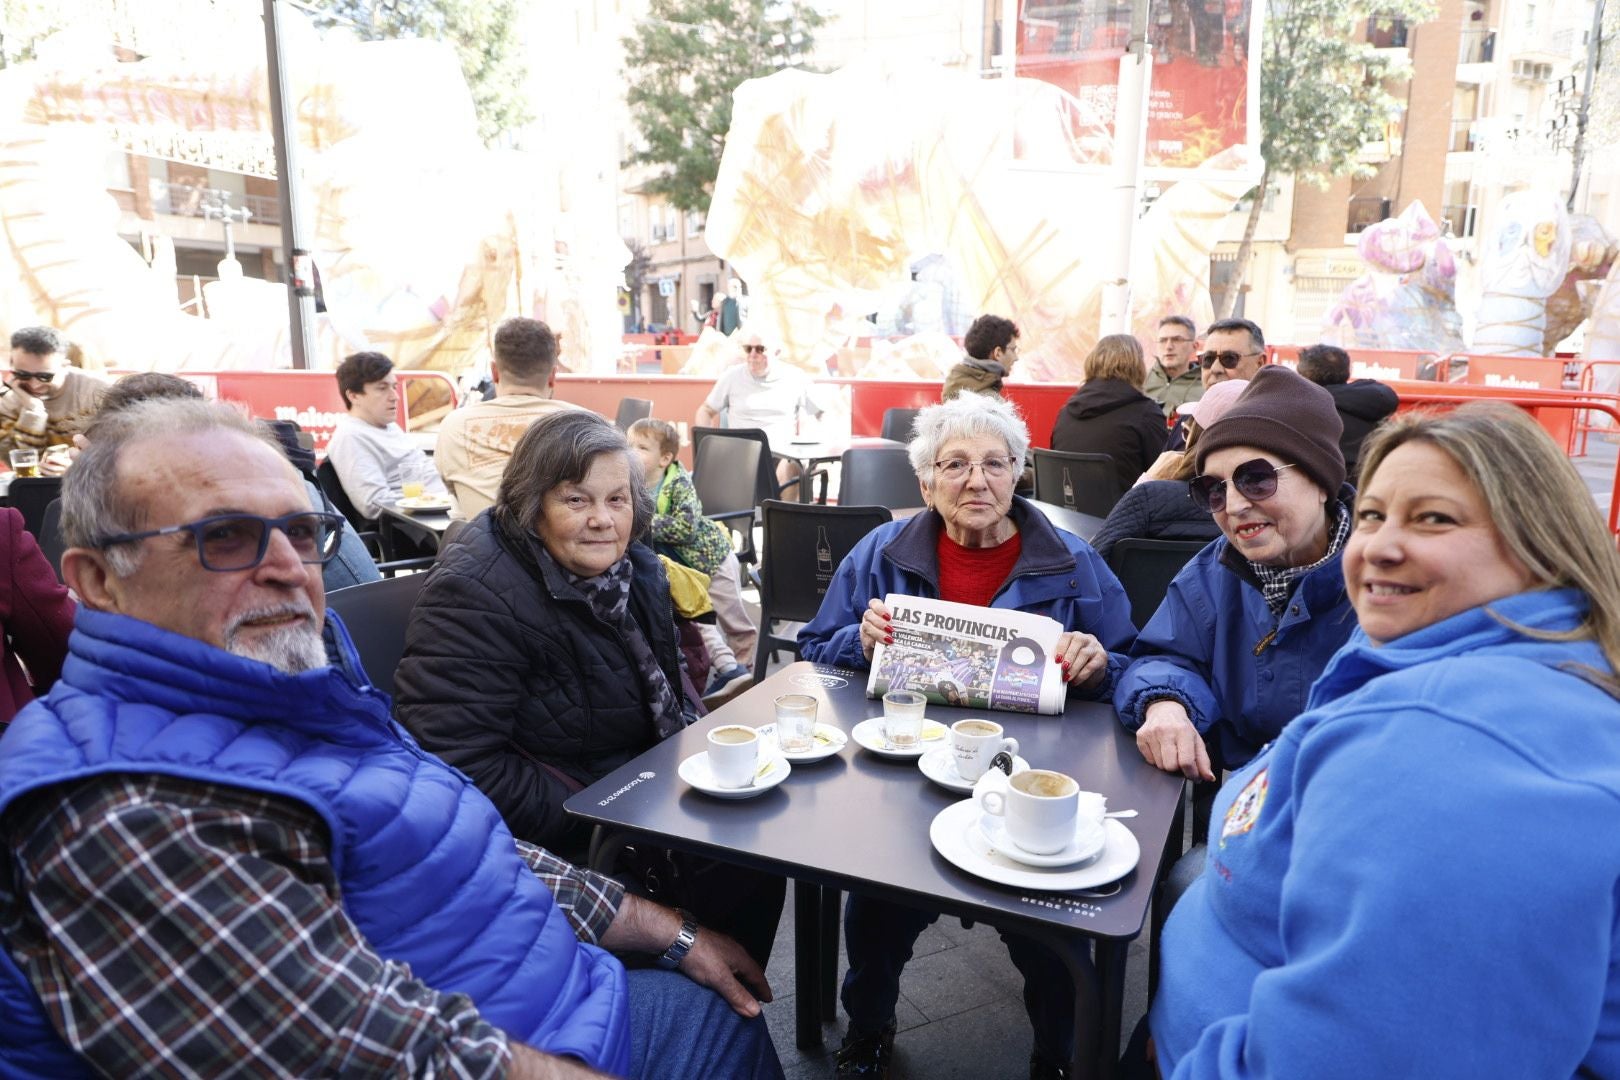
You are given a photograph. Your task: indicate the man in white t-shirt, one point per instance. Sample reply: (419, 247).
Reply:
(373, 457)
(762, 393)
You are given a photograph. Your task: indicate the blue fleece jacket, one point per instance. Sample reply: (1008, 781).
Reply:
(427, 869)
(1057, 574)
(1240, 671)
(1421, 877)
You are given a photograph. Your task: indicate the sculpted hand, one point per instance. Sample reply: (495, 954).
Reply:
(1084, 660)
(875, 627)
(718, 962)
(1169, 741)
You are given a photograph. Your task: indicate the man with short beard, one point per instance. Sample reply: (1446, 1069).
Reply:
(221, 854)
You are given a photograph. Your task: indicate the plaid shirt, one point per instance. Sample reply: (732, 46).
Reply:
(182, 929)
(1277, 583)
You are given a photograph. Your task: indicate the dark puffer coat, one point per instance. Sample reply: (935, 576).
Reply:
(509, 676)
(1156, 510)
(1110, 416)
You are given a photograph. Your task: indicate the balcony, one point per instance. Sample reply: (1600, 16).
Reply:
(1459, 219)
(1464, 137)
(1476, 47)
(1385, 33)
(1365, 212)
(188, 200)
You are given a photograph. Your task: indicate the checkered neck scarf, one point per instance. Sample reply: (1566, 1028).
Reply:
(1277, 582)
(608, 593)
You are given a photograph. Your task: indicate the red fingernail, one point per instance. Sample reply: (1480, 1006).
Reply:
(889, 640)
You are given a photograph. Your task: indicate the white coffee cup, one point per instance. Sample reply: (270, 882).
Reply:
(1039, 806)
(733, 755)
(974, 742)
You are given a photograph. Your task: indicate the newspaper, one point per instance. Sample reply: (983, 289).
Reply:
(975, 657)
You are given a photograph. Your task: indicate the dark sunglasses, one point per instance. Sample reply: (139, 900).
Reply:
(19, 375)
(1255, 480)
(229, 542)
(753, 348)
(1228, 360)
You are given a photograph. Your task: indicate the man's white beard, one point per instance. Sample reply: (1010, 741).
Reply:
(294, 648)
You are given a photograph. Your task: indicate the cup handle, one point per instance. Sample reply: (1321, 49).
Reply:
(997, 807)
(1010, 745)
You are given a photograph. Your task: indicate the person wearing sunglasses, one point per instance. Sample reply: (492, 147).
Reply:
(45, 402)
(1249, 623)
(1419, 878)
(1175, 378)
(1233, 349)
(977, 543)
(213, 814)
(762, 392)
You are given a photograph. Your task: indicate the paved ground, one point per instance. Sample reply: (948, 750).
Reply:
(961, 1016)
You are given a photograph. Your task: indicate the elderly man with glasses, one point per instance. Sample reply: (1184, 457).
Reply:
(222, 855)
(762, 392)
(45, 403)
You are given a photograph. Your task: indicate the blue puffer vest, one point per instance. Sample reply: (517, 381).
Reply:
(426, 866)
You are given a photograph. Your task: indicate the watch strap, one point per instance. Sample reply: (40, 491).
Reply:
(684, 940)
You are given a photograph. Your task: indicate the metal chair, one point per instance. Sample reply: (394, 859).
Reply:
(1084, 482)
(1146, 567)
(377, 614)
(29, 496)
(878, 476)
(898, 423)
(632, 409)
(804, 543)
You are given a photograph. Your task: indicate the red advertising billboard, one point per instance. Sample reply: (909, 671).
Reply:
(1205, 93)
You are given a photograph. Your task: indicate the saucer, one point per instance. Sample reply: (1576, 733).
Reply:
(955, 834)
(868, 734)
(423, 504)
(695, 771)
(939, 765)
(828, 741)
(1083, 845)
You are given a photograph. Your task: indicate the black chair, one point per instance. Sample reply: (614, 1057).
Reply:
(898, 423)
(29, 496)
(725, 473)
(1083, 482)
(765, 483)
(878, 476)
(379, 542)
(377, 614)
(1146, 567)
(632, 409)
(50, 538)
(804, 543)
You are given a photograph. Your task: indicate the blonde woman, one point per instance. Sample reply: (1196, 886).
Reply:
(1110, 415)
(1421, 876)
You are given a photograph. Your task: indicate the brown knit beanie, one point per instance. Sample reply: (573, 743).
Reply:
(1287, 415)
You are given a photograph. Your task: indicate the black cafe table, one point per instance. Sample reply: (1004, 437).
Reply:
(856, 821)
(426, 529)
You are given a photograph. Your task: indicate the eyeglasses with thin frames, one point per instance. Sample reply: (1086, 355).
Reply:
(1227, 360)
(1255, 480)
(229, 542)
(993, 468)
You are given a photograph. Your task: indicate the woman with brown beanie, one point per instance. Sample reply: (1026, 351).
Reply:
(1251, 621)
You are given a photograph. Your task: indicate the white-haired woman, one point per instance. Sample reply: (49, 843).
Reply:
(1421, 875)
(977, 543)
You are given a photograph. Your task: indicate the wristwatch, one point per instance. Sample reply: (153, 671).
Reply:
(683, 942)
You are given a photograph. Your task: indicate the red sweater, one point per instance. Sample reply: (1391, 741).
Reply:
(974, 575)
(36, 616)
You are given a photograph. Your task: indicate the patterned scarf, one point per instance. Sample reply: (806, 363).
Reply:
(608, 593)
(1277, 582)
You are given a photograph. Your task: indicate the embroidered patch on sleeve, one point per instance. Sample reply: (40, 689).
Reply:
(1245, 809)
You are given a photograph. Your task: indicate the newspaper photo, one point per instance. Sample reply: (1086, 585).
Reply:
(974, 657)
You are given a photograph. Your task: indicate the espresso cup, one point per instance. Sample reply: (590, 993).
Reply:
(733, 755)
(974, 743)
(1040, 808)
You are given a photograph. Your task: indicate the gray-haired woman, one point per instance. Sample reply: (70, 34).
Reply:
(542, 654)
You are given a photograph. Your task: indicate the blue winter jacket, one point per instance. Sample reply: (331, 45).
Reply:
(1241, 672)
(1057, 574)
(1421, 877)
(427, 869)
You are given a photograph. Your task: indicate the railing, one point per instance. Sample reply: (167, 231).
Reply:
(1476, 47)
(189, 200)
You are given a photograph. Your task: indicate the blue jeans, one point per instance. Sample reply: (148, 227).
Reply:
(680, 1030)
(880, 936)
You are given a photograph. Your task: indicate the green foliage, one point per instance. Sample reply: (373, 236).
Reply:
(484, 34)
(683, 61)
(1322, 93)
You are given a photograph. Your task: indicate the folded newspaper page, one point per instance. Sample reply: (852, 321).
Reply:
(975, 657)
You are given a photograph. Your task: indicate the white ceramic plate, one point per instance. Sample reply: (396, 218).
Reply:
(1085, 844)
(828, 741)
(423, 504)
(939, 765)
(868, 734)
(695, 771)
(956, 835)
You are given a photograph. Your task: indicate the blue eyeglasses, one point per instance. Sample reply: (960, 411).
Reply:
(227, 542)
